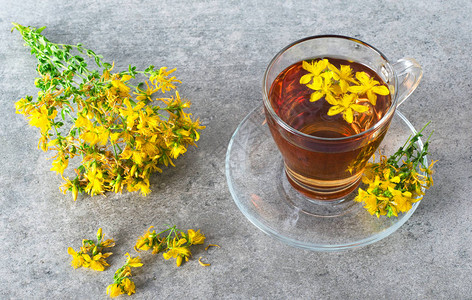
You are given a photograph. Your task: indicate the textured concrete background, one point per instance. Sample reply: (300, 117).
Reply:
(221, 49)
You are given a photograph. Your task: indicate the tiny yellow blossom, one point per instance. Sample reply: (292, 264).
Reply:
(368, 86)
(128, 286)
(146, 95)
(40, 118)
(60, 164)
(177, 251)
(97, 262)
(177, 150)
(325, 89)
(120, 86)
(195, 237)
(315, 69)
(77, 259)
(147, 241)
(343, 75)
(134, 262)
(114, 290)
(162, 80)
(95, 181)
(347, 105)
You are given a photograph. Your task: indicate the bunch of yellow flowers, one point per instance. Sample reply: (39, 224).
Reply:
(121, 282)
(90, 254)
(176, 244)
(393, 184)
(121, 130)
(341, 88)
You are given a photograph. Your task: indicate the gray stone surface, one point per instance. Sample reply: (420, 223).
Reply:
(221, 49)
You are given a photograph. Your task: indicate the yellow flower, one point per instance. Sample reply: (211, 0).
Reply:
(83, 122)
(315, 68)
(126, 271)
(146, 241)
(77, 259)
(99, 233)
(178, 252)
(97, 262)
(60, 164)
(323, 88)
(141, 185)
(118, 184)
(347, 105)
(401, 200)
(134, 262)
(368, 86)
(128, 286)
(176, 150)
(135, 155)
(131, 113)
(108, 243)
(369, 199)
(115, 136)
(120, 86)
(343, 75)
(147, 147)
(162, 81)
(40, 118)
(146, 95)
(91, 133)
(114, 290)
(389, 182)
(95, 181)
(98, 135)
(429, 172)
(122, 284)
(42, 143)
(69, 185)
(23, 106)
(195, 237)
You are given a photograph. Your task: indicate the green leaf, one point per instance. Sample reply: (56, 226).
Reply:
(390, 211)
(90, 53)
(149, 69)
(40, 29)
(97, 61)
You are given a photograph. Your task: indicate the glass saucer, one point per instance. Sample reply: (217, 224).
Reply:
(260, 189)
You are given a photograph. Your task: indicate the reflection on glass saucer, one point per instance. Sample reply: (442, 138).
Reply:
(260, 189)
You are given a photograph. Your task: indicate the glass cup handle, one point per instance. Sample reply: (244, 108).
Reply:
(409, 73)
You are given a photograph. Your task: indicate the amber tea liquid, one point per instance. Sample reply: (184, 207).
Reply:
(319, 167)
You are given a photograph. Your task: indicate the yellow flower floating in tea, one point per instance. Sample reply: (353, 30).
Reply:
(345, 91)
(393, 184)
(121, 136)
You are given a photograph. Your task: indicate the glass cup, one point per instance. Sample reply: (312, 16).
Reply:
(330, 168)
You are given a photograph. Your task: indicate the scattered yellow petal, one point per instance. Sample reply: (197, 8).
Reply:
(202, 263)
(211, 245)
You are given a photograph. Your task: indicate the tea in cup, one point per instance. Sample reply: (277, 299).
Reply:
(329, 101)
